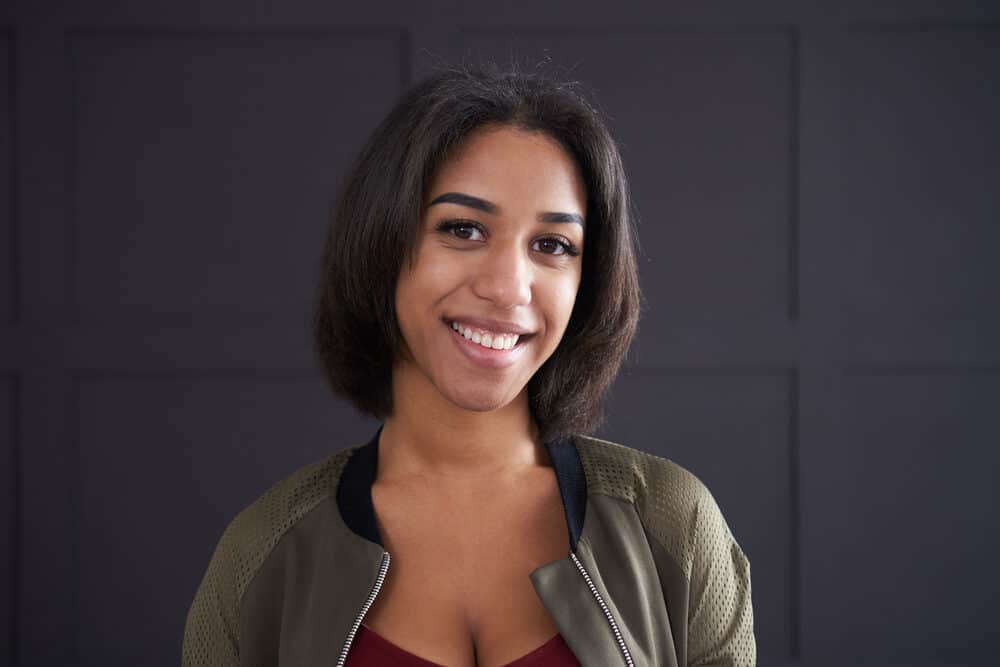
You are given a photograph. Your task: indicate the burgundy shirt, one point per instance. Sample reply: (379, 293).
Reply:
(370, 648)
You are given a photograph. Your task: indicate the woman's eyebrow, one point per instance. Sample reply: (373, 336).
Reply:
(480, 204)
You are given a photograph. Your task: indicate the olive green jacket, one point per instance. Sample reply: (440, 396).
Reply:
(653, 577)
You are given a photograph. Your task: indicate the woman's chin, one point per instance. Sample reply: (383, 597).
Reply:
(479, 398)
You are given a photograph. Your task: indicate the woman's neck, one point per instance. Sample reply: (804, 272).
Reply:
(429, 436)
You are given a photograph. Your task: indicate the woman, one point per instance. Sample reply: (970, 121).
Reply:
(478, 294)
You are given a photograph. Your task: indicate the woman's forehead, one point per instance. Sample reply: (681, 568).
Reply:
(509, 167)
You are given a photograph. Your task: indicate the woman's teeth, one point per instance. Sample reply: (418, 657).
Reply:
(491, 340)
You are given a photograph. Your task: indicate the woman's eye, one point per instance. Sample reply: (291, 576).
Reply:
(551, 246)
(467, 231)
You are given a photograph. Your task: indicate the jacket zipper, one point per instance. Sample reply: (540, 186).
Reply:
(383, 568)
(607, 612)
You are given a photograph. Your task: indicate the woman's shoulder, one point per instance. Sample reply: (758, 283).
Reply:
(288, 500)
(255, 530)
(632, 474)
(674, 505)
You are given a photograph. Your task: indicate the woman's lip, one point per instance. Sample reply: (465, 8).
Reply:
(486, 356)
(492, 326)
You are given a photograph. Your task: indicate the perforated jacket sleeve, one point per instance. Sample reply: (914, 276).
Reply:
(720, 614)
(211, 633)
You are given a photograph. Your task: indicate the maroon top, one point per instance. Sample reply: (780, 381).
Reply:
(371, 648)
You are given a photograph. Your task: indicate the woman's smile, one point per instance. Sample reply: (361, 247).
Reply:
(488, 347)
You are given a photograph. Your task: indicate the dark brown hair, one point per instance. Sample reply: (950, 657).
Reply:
(375, 222)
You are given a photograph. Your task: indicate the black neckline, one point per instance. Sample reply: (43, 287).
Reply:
(354, 499)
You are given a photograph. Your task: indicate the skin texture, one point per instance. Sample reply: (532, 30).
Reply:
(466, 500)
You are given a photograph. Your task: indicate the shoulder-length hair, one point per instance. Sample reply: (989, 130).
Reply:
(375, 222)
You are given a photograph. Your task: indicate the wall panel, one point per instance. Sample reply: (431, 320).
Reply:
(922, 163)
(205, 165)
(8, 236)
(904, 572)
(9, 485)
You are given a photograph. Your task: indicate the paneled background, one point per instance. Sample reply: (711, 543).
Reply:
(817, 184)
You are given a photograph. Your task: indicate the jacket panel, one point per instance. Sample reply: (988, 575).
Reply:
(675, 584)
(615, 552)
(680, 514)
(580, 620)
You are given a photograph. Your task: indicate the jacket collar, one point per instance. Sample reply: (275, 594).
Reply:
(354, 498)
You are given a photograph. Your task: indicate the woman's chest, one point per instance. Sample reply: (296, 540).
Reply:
(458, 590)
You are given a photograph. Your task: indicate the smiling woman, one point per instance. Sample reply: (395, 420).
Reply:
(479, 292)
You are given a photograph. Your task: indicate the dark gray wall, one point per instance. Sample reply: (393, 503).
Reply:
(818, 191)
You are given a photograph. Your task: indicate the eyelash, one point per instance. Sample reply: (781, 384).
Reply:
(449, 227)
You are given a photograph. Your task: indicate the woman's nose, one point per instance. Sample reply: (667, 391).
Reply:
(504, 277)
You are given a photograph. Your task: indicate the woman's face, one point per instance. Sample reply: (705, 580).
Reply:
(496, 269)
